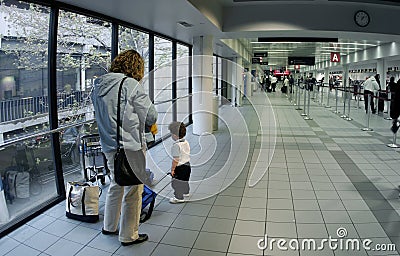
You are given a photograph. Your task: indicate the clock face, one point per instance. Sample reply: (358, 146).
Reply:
(361, 18)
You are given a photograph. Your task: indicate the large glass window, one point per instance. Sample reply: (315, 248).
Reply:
(182, 85)
(136, 40)
(83, 54)
(163, 83)
(27, 175)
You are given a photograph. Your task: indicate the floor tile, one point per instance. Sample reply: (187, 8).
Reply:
(224, 226)
(23, 250)
(212, 242)
(82, 235)
(169, 250)
(64, 247)
(41, 241)
(245, 245)
(249, 228)
(180, 237)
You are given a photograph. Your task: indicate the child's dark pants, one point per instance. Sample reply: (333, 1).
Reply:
(180, 181)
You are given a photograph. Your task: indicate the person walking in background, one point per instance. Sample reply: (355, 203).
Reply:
(370, 87)
(123, 204)
(180, 169)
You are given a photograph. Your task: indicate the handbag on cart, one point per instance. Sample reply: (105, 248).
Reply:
(82, 201)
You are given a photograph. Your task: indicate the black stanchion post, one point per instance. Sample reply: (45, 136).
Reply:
(368, 114)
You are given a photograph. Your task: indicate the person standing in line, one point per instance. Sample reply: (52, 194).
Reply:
(274, 80)
(291, 83)
(370, 87)
(123, 203)
(180, 169)
(395, 105)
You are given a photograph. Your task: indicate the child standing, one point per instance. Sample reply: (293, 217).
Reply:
(180, 169)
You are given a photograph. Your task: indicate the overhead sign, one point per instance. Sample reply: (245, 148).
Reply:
(255, 60)
(335, 57)
(310, 61)
(263, 62)
(261, 54)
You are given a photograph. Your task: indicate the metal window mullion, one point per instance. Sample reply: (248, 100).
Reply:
(114, 40)
(151, 66)
(174, 87)
(190, 84)
(53, 111)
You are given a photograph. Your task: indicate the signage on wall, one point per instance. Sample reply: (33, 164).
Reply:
(261, 54)
(263, 62)
(335, 57)
(301, 61)
(255, 60)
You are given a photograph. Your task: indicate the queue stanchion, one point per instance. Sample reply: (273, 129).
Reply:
(388, 106)
(376, 102)
(368, 114)
(336, 104)
(358, 97)
(348, 118)
(344, 103)
(329, 94)
(298, 97)
(308, 117)
(322, 95)
(305, 99)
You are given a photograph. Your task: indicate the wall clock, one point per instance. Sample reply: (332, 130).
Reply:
(362, 18)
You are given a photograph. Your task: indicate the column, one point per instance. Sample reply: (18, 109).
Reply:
(232, 82)
(202, 84)
(380, 69)
(224, 77)
(239, 81)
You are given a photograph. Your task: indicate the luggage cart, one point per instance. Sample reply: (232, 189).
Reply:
(93, 160)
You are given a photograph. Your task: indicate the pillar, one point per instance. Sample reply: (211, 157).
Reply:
(202, 84)
(239, 81)
(380, 69)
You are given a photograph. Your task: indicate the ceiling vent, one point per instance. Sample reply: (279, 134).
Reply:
(185, 24)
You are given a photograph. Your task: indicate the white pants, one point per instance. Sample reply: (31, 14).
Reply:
(123, 205)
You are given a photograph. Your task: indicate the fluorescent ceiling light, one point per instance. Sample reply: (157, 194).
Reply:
(357, 44)
(276, 42)
(332, 47)
(328, 53)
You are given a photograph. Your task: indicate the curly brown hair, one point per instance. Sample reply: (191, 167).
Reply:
(130, 63)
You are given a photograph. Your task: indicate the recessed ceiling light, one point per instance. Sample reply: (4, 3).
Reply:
(185, 24)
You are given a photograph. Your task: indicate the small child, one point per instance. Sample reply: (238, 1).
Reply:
(180, 169)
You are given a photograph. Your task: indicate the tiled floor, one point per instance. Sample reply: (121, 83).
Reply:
(324, 174)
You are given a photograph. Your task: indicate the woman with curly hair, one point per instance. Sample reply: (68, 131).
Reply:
(123, 203)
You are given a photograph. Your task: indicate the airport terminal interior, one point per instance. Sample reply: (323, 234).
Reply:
(291, 152)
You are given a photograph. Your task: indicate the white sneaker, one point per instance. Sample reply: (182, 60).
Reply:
(174, 200)
(187, 195)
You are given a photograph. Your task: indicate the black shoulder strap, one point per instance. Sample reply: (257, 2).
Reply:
(119, 111)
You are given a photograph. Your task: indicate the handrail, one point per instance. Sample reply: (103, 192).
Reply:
(20, 139)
